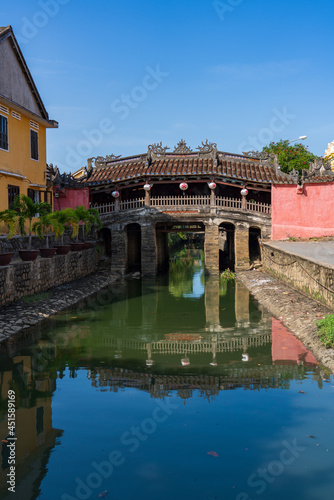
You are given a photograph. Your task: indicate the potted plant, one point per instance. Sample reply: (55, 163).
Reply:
(41, 226)
(89, 218)
(26, 210)
(67, 217)
(8, 217)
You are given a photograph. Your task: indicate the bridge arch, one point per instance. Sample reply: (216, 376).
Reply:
(133, 233)
(105, 237)
(255, 234)
(226, 246)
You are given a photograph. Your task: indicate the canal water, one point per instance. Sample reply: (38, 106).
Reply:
(184, 387)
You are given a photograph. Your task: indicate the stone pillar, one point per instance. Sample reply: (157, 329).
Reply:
(148, 251)
(241, 304)
(211, 249)
(241, 246)
(162, 250)
(119, 249)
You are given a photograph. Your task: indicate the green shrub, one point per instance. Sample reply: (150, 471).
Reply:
(227, 275)
(325, 330)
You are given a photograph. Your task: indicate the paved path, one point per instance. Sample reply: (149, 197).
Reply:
(319, 251)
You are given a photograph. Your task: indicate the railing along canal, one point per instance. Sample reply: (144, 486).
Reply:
(186, 201)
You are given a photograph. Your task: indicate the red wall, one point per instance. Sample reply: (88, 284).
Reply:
(70, 198)
(306, 215)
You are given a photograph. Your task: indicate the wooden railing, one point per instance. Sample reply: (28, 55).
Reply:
(180, 201)
(187, 201)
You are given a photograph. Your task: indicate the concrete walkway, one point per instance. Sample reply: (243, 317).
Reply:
(321, 252)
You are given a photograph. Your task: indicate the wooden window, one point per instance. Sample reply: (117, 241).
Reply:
(34, 144)
(34, 195)
(13, 191)
(3, 133)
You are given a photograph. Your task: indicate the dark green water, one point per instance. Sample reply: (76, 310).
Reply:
(170, 390)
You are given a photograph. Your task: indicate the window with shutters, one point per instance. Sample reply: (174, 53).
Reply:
(3, 133)
(34, 144)
(13, 191)
(34, 195)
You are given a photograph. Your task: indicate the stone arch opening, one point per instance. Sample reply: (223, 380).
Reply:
(226, 246)
(134, 247)
(105, 237)
(254, 244)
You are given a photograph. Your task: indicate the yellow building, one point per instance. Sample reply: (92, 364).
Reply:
(23, 124)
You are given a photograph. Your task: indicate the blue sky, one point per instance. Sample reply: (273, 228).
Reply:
(120, 75)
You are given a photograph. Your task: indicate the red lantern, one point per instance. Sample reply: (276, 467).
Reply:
(244, 192)
(183, 186)
(212, 185)
(115, 194)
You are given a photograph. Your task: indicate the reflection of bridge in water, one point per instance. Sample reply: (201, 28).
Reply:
(187, 347)
(160, 386)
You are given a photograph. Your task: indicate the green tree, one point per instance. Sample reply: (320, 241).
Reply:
(9, 217)
(68, 218)
(291, 156)
(89, 218)
(46, 221)
(26, 210)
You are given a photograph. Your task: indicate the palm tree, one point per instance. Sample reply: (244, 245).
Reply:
(26, 210)
(9, 217)
(67, 217)
(44, 222)
(89, 217)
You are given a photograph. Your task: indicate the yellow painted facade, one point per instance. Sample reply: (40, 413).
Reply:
(21, 111)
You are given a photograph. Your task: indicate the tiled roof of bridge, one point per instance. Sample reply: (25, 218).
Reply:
(237, 167)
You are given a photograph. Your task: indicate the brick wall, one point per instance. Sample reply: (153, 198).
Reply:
(314, 279)
(27, 278)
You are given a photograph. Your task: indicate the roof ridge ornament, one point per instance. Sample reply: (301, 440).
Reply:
(182, 148)
(207, 148)
(158, 149)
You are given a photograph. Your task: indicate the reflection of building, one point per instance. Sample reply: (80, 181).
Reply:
(287, 349)
(35, 435)
(208, 386)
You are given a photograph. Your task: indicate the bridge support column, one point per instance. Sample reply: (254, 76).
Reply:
(211, 249)
(119, 249)
(148, 251)
(241, 246)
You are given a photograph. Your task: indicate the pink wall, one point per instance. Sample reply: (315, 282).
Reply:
(70, 198)
(286, 348)
(306, 215)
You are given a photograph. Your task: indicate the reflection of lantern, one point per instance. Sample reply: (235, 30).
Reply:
(147, 187)
(183, 186)
(115, 194)
(245, 357)
(149, 362)
(244, 192)
(212, 185)
(185, 362)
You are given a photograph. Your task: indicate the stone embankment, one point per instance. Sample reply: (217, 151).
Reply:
(24, 314)
(295, 310)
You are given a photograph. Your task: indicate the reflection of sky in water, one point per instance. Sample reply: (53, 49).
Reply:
(198, 286)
